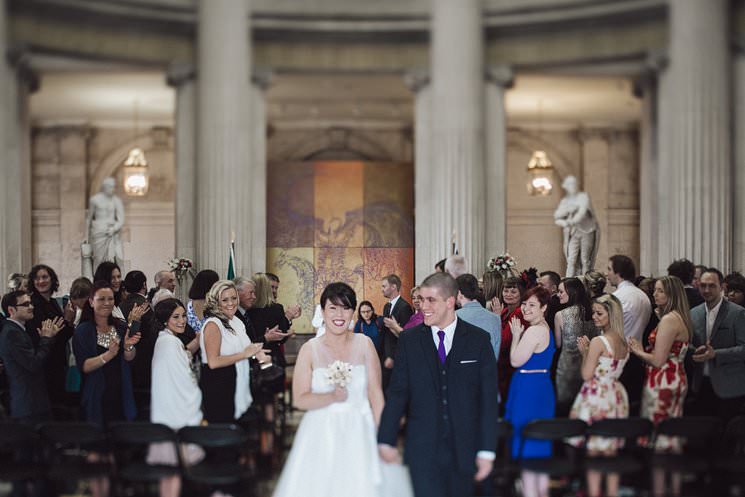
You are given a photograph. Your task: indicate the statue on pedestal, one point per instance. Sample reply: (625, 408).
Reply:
(103, 223)
(581, 232)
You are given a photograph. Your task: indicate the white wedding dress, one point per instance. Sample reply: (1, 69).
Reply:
(335, 451)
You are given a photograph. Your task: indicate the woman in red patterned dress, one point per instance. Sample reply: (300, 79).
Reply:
(512, 295)
(665, 384)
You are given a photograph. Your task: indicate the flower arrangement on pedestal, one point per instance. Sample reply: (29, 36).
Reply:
(503, 264)
(182, 267)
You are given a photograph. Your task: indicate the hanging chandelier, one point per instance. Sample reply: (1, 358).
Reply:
(136, 174)
(540, 171)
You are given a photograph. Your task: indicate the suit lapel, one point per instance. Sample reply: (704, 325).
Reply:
(430, 354)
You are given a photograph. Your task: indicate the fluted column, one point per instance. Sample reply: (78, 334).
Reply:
(739, 201)
(424, 256)
(457, 54)
(224, 138)
(20, 82)
(181, 77)
(498, 80)
(258, 173)
(695, 150)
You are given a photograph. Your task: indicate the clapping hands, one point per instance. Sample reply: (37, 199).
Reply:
(274, 335)
(635, 347)
(137, 312)
(50, 327)
(703, 353)
(583, 344)
(293, 312)
(517, 328)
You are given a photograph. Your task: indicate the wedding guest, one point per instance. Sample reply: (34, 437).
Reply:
(202, 283)
(685, 270)
(512, 294)
(572, 322)
(735, 288)
(471, 311)
(455, 265)
(104, 347)
(44, 284)
(415, 320)
(80, 292)
(111, 273)
(165, 279)
(602, 395)
(492, 283)
(595, 282)
(176, 400)
(136, 285)
(293, 311)
(531, 394)
(698, 271)
(225, 350)
(367, 324)
(550, 281)
(665, 383)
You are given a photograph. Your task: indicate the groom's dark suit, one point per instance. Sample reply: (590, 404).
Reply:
(451, 410)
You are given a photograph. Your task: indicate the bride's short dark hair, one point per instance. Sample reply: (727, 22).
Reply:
(340, 294)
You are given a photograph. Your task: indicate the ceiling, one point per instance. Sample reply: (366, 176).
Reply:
(110, 97)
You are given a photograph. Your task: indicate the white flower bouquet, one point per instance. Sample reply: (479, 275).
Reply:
(339, 373)
(502, 263)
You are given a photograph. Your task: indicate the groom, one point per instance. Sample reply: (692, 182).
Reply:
(445, 383)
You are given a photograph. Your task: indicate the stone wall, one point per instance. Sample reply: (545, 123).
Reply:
(68, 164)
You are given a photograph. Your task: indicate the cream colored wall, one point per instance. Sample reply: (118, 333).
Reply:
(606, 162)
(68, 164)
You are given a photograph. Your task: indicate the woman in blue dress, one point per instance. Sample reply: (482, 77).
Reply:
(531, 394)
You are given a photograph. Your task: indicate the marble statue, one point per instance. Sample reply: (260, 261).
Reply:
(103, 223)
(581, 233)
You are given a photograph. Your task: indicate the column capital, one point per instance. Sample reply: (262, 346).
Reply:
(655, 62)
(19, 58)
(501, 75)
(417, 79)
(262, 78)
(179, 73)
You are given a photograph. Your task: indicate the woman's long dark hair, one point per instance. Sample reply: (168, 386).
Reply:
(52, 276)
(577, 293)
(103, 273)
(87, 311)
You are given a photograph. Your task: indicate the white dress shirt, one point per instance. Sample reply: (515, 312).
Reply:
(636, 309)
(393, 304)
(449, 334)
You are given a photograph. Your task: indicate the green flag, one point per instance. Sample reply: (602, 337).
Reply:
(231, 261)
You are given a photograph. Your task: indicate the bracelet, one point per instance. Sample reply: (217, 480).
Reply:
(129, 348)
(103, 361)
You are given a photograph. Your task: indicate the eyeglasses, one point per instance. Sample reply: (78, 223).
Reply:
(24, 304)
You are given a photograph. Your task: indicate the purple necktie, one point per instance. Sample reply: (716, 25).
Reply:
(441, 347)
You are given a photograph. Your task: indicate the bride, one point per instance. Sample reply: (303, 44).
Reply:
(337, 381)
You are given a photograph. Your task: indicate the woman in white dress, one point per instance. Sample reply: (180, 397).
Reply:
(175, 399)
(335, 449)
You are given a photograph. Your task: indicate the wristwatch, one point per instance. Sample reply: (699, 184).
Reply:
(129, 348)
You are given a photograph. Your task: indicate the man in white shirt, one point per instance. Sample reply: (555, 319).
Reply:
(637, 309)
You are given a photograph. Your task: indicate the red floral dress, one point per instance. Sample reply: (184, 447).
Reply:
(504, 368)
(665, 389)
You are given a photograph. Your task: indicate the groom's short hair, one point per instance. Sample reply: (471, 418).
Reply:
(444, 282)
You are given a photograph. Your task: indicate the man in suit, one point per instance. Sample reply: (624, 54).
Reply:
(135, 282)
(719, 356)
(24, 364)
(685, 270)
(445, 383)
(399, 310)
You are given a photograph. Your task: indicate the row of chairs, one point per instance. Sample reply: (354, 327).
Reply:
(70, 452)
(710, 453)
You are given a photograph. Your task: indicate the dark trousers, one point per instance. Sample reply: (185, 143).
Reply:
(632, 379)
(441, 479)
(708, 403)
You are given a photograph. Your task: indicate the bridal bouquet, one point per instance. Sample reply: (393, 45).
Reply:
(502, 263)
(339, 373)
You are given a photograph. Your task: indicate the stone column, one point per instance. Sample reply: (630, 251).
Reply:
(424, 257)
(738, 262)
(458, 196)
(498, 80)
(260, 84)
(695, 149)
(181, 77)
(19, 83)
(224, 134)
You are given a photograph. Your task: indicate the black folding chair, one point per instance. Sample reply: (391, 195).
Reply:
(566, 460)
(20, 453)
(71, 445)
(223, 466)
(729, 466)
(699, 439)
(630, 458)
(131, 443)
(505, 469)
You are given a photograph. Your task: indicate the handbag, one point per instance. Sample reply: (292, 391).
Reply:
(269, 380)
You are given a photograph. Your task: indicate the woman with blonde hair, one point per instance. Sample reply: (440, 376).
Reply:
(225, 350)
(492, 282)
(602, 395)
(665, 383)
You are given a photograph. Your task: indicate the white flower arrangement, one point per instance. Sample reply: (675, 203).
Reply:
(501, 263)
(180, 264)
(339, 373)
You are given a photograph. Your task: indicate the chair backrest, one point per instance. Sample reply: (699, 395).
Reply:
(214, 436)
(504, 429)
(15, 436)
(72, 434)
(698, 432)
(734, 436)
(140, 433)
(554, 429)
(627, 428)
